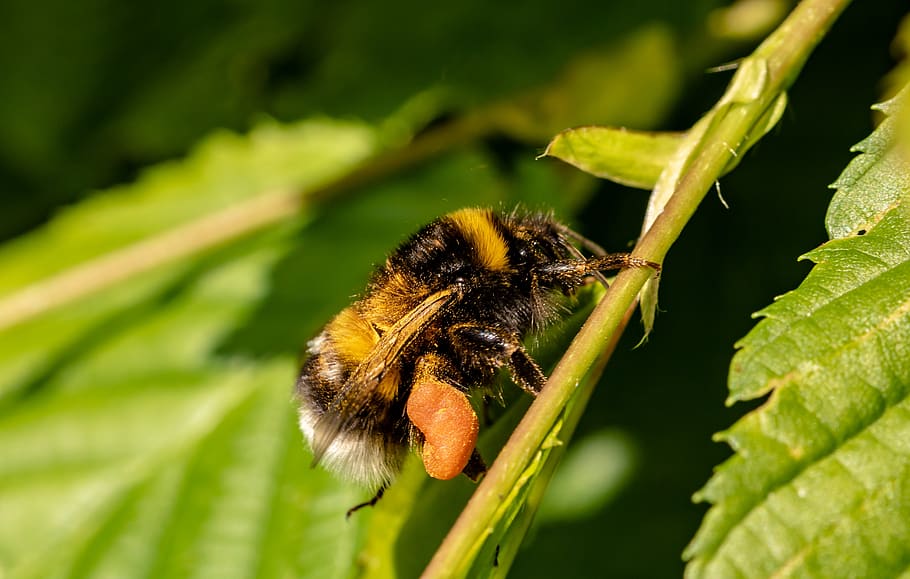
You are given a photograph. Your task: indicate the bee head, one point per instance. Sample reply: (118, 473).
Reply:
(536, 240)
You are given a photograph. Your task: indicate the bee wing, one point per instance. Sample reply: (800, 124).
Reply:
(368, 386)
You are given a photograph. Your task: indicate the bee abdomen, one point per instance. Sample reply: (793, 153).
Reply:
(359, 456)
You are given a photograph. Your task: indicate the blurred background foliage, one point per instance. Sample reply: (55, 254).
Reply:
(153, 421)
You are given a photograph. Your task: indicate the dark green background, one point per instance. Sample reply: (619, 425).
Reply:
(94, 91)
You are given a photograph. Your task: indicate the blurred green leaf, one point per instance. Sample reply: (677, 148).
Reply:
(93, 91)
(899, 78)
(633, 81)
(594, 470)
(148, 455)
(225, 170)
(222, 170)
(476, 53)
(820, 484)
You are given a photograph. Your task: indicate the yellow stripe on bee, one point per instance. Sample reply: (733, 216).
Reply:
(353, 336)
(477, 226)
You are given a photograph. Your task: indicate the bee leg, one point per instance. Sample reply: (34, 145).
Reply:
(526, 372)
(570, 273)
(500, 349)
(368, 503)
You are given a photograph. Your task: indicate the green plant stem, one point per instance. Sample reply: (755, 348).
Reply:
(784, 53)
(573, 416)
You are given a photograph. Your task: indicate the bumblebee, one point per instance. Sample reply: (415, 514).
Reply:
(448, 309)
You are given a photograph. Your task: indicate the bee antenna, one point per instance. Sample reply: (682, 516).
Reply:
(582, 241)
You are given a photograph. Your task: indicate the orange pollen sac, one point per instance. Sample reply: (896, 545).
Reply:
(449, 425)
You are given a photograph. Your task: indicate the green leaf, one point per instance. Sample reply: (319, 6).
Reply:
(874, 181)
(820, 483)
(638, 159)
(624, 156)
